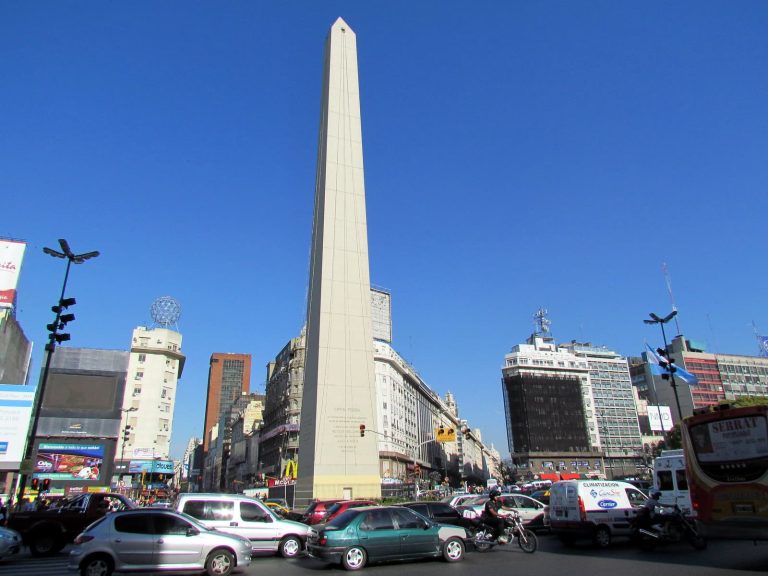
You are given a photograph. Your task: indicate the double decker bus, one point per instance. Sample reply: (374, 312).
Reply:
(726, 452)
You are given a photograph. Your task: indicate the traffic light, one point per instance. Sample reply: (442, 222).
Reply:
(35, 484)
(666, 363)
(362, 430)
(59, 323)
(467, 431)
(127, 433)
(46, 484)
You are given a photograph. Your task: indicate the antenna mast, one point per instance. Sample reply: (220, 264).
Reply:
(668, 281)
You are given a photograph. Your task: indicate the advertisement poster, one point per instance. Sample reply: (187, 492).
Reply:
(731, 440)
(11, 255)
(15, 412)
(69, 461)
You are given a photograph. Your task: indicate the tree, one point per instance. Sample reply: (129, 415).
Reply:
(746, 401)
(508, 472)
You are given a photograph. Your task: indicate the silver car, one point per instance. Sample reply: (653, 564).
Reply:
(10, 542)
(152, 539)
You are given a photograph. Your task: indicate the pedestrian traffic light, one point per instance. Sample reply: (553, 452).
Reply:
(127, 433)
(362, 430)
(467, 431)
(35, 483)
(46, 484)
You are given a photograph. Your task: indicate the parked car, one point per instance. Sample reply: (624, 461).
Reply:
(277, 509)
(342, 506)
(457, 499)
(316, 510)
(379, 533)
(10, 542)
(279, 501)
(541, 495)
(248, 517)
(439, 512)
(532, 512)
(128, 542)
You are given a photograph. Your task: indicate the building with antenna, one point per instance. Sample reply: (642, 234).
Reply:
(155, 365)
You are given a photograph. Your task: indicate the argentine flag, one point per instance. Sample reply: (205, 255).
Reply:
(660, 366)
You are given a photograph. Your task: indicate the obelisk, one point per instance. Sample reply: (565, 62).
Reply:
(335, 461)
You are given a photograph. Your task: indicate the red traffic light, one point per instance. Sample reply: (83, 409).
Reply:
(35, 483)
(362, 430)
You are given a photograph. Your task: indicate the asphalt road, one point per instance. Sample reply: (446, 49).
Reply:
(721, 558)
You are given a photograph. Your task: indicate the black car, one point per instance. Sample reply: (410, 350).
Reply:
(439, 512)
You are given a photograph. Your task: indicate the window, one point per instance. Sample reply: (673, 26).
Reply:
(377, 520)
(204, 510)
(664, 480)
(142, 357)
(134, 523)
(167, 524)
(139, 375)
(682, 481)
(250, 512)
(407, 519)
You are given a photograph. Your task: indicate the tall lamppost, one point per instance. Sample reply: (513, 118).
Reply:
(54, 338)
(661, 321)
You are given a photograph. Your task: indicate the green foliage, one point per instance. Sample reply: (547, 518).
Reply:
(747, 401)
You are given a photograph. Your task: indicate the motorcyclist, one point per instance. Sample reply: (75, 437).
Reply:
(647, 513)
(490, 514)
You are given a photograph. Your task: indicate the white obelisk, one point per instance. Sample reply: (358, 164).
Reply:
(339, 381)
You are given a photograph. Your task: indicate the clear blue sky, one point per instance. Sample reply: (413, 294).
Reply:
(517, 155)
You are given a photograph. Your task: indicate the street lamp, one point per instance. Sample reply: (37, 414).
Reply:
(661, 321)
(54, 338)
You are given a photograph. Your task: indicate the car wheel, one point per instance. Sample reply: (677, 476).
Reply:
(602, 537)
(219, 563)
(290, 546)
(97, 566)
(354, 558)
(453, 550)
(44, 544)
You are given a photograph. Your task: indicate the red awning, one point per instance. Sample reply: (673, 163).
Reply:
(553, 477)
(570, 476)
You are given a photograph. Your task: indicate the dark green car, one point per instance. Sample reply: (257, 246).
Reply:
(379, 533)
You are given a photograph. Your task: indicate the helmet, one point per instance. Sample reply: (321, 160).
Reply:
(494, 493)
(656, 495)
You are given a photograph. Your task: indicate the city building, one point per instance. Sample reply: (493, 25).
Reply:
(552, 428)
(229, 377)
(77, 433)
(155, 365)
(614, 408)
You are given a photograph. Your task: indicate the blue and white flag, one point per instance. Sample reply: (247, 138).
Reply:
(763, 345)
(660, 367)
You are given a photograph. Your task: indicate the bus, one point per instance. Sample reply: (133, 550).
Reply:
(726, 452)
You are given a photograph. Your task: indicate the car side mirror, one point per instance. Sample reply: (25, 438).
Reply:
(191, 531)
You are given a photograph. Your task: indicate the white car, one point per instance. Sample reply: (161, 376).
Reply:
(248, 517)
(532, 512)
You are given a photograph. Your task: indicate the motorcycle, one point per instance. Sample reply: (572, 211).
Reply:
(483, 540)
(668, 528)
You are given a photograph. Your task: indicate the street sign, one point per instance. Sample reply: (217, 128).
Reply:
(445, 434)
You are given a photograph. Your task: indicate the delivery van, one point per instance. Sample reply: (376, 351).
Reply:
(599, 510)
(669, 478)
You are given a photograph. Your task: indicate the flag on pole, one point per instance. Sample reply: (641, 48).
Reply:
(661, 366)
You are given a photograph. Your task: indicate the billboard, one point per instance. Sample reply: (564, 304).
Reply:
(11, 255)
(151, 466)
(15, 415)
(660, 418)
(69, 461)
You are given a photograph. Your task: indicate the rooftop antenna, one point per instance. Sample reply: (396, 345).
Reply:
(541, 321)
(668, 280)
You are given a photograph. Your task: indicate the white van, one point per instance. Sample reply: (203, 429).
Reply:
(249, 517)
(599, 510)
(669, 478)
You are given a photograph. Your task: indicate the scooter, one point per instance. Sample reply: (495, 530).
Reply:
(668, 529)
(483, 540)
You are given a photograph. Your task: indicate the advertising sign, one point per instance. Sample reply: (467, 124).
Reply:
(731, 440)
(445, 434)
(11, 255)
(660, 418)
(15, 414)
(69, 461)
(151, 466)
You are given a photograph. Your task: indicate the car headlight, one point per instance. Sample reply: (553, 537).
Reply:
(5, 536)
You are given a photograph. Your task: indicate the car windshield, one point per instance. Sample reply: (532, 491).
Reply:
(476, 500)
(332, 508)
(343, 519)
(195, 521)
